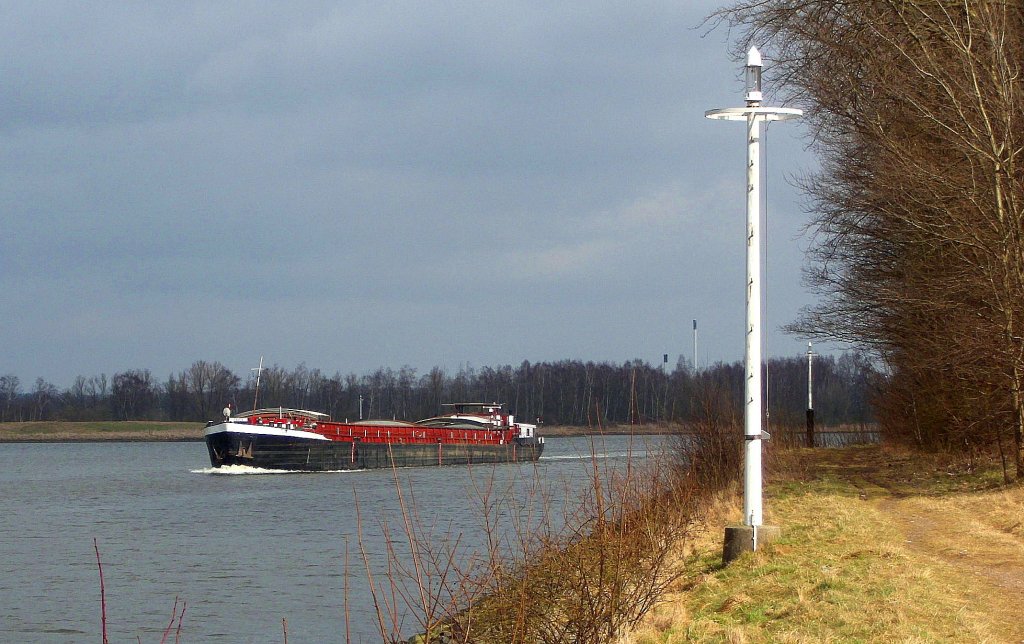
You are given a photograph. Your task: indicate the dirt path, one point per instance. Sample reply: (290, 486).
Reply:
(992, 557)
(975, 536)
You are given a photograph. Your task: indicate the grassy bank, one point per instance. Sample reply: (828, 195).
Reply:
(877, 546)
(59, 431)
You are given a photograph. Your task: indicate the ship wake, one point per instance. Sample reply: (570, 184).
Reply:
(236, 470)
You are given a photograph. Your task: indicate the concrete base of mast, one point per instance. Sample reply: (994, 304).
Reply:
(740, 539)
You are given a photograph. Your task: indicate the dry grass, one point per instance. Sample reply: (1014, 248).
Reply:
(975, 542)
(877, 546)
(62, 432)
(586, 577)
(585, 581)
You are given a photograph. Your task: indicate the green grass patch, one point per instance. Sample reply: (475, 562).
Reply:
(840, 572)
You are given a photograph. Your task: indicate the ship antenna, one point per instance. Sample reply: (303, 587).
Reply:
(259, 371)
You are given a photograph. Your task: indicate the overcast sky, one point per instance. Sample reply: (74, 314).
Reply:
(363, 184)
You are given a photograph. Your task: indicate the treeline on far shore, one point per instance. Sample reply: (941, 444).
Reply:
(567, 392)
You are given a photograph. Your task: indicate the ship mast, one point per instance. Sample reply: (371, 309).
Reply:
(259, 371)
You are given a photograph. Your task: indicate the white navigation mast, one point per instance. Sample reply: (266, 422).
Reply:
(754, 115)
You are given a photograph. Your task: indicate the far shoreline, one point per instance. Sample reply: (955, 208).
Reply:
(177, 432)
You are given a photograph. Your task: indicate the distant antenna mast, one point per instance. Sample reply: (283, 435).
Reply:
(259, 372)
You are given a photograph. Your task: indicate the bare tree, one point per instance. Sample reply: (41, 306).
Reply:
(132, 393)
(915, 111)
(210, 385)
(10, 388)
(44, 398)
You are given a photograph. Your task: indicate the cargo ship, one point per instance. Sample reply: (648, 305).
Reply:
(295, 439)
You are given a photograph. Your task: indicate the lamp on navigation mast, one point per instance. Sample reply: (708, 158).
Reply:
(752, 76)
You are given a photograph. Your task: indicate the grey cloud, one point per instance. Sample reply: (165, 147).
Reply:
(157, 159)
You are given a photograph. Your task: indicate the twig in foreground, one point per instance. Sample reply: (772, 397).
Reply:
(103, 593)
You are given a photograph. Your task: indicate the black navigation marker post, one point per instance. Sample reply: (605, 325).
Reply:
(810, 397)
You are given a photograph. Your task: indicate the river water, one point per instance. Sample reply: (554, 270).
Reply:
(243, 551)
